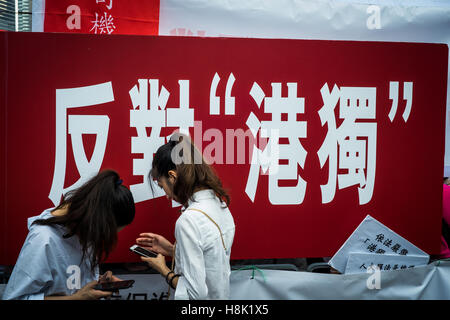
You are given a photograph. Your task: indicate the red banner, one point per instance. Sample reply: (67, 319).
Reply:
(102, 16)
(308, 136)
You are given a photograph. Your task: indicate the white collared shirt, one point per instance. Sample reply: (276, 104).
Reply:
(201, 260)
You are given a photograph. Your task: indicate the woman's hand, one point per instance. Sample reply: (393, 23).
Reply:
(89, 293)
(158, 263)
(108, 277)
(155, 242)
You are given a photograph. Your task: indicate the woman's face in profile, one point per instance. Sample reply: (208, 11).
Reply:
(165, 184)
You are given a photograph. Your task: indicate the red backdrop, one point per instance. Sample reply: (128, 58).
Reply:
(407, 194)
(102, 16)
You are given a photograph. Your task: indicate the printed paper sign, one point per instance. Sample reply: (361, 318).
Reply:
(372, 237)
(360, 262)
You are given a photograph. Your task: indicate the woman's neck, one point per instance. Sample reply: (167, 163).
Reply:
(200, 189)
(60, 212)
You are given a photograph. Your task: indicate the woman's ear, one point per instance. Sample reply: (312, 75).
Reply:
(172, 175)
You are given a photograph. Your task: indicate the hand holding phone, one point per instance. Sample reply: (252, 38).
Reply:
(88, 292)
(143, 252)
(155, 242)
(114, 285)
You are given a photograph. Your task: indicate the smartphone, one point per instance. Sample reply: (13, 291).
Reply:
(114, 286)
(143, 252)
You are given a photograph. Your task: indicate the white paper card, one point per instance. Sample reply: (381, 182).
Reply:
(360, 262)
(372, 236)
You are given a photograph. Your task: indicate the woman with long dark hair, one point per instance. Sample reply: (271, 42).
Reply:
(66, 244)
(204, 232)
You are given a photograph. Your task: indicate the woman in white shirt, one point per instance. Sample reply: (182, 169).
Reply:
(204, 231)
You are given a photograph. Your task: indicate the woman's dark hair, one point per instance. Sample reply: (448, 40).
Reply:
(94, 212)
(193, 173)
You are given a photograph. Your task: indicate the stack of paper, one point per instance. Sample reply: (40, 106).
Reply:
(373, 244)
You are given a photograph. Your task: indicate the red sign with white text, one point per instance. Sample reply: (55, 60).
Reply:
(102, 16)
(308, 136)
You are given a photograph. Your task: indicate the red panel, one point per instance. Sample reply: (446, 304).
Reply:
(3, 126)
(112, 16)
(407, 195)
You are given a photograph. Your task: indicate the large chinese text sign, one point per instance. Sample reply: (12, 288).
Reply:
(339, 118)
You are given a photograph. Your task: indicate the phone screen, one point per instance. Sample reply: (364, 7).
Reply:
(143, 252)
(115, 285)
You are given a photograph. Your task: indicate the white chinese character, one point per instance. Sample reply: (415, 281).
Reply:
(154, 116)
(284, 125)
(104, 1)
(354, 142)
(182, 117)
(79, 125)
(104, 25)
